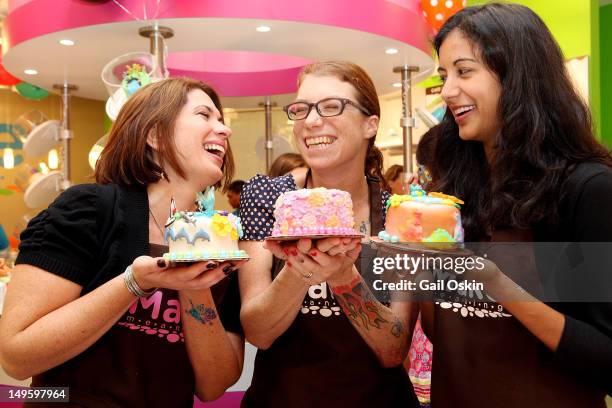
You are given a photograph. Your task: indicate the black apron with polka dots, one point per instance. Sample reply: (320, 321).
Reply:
(321, 360)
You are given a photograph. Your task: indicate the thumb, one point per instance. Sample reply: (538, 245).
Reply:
(145, 264)
(354, 253)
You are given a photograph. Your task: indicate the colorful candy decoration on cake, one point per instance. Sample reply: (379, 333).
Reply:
(134, 78)
(312, 212)
(434, 219)
(204, 234)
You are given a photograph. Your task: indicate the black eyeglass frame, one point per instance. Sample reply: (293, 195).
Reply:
(315, 105)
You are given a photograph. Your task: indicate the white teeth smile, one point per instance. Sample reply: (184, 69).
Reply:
(460, 111)
(319, 141)
(214, 149)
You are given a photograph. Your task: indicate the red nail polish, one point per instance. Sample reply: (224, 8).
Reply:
(289, 264)
(286, 251)
(313, 253)
(293, 251)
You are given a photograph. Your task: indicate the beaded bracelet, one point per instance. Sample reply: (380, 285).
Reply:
(132, 285)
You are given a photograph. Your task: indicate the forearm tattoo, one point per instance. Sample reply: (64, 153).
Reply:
(360, 305)
(201, 313)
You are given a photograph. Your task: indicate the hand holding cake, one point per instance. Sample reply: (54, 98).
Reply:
(150, 273)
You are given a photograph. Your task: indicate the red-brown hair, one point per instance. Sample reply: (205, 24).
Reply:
(127, 159)
(366, 96)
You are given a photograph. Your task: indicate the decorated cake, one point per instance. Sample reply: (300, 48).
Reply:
(312, 212)
(204, 234)
(422, 217)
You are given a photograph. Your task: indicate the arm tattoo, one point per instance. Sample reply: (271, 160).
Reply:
(201, 313)
(397, 328)
(359, 304)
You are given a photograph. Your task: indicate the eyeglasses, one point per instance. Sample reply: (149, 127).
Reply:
(326, 108)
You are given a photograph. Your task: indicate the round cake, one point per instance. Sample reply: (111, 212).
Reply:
(312, 212)
(203, 235)
(422, 217)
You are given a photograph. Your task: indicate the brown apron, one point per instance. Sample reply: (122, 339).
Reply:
(321, 359)
(484, 357)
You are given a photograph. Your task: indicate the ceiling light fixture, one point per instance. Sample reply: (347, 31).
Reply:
(67, 42)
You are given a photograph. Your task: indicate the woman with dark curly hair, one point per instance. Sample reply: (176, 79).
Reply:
(516, 144)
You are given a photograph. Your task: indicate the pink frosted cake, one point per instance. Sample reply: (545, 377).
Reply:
(317, 211)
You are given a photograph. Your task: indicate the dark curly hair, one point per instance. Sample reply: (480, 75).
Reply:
(546, 127)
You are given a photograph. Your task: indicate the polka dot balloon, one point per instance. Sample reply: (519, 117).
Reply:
(436, 12)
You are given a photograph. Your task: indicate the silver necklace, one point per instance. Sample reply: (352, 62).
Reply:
(161, 230)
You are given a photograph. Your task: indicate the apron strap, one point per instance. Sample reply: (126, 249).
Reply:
(376, 222)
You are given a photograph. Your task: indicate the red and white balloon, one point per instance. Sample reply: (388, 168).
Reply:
(436, 12)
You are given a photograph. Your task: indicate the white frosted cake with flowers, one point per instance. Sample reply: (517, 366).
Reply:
(317, 211)
(204, 234)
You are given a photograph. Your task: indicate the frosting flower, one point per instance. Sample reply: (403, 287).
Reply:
(454, 199)
(332, 221)
(316, 200)
(309, 220)
(234, 234)
(395, 200)
(439, 235)
(221, 225)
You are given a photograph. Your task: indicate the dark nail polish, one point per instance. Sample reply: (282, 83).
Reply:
(228, 269)
(161, 263)
(211, 265)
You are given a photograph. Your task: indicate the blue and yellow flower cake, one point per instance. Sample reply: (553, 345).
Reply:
(204, 234)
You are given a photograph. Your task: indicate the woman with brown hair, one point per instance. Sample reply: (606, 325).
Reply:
(287, 162)
(323, 339)
(92, 305)
(393, 176)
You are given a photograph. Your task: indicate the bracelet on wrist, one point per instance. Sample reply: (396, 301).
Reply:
(132, 285)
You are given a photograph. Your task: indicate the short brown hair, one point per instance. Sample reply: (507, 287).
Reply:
(394, 172)
(366, 96)
(284, 163)
(127, 159)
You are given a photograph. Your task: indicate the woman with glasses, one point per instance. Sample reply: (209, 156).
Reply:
(323, 339)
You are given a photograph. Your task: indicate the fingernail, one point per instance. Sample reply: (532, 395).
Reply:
(313, 253)
(161, 263)
(286, 251)
(211, 265)
(289, 264)
(228, 269)
(293, 251)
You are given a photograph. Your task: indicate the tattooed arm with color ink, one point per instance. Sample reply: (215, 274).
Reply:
(387, 330)
(216, 354)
